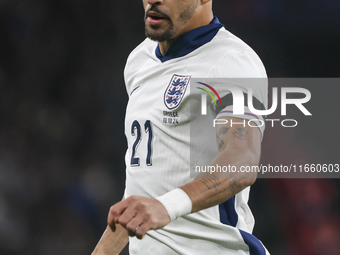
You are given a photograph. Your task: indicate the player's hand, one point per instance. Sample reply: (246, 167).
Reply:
(138, 215)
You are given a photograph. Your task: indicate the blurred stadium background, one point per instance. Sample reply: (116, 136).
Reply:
(62, 106)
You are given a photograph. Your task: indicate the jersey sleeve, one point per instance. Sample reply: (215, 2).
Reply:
(245, 71)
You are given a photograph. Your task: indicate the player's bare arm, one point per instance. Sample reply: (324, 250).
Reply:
(112, 242)
(238, 146)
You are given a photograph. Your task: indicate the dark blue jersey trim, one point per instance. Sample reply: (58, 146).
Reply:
(190, 41)
(228, 214)
(255, 246)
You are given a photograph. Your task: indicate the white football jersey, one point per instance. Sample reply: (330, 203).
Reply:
(158, 135)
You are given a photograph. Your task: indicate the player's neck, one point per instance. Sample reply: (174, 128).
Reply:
(165, 45)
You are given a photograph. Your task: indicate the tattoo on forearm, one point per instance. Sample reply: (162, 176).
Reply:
(233, 185)
(222, 131)
(232, 188)
(214, 195)
(240, 133)
(220, 142)
(210, 182)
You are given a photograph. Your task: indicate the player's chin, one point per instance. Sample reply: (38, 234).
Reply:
(159, 35)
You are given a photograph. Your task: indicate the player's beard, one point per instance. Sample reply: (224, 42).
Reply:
(169, 32)
(159, 34)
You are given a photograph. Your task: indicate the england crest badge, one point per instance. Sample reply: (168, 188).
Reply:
(175, 91)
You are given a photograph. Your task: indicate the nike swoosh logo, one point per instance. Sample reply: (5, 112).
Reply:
(134, 90)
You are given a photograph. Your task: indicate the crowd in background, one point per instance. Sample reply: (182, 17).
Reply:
(62, 107)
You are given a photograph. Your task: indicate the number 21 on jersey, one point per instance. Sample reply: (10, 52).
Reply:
(136, 131)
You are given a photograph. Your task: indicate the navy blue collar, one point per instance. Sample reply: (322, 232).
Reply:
(190, 41)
